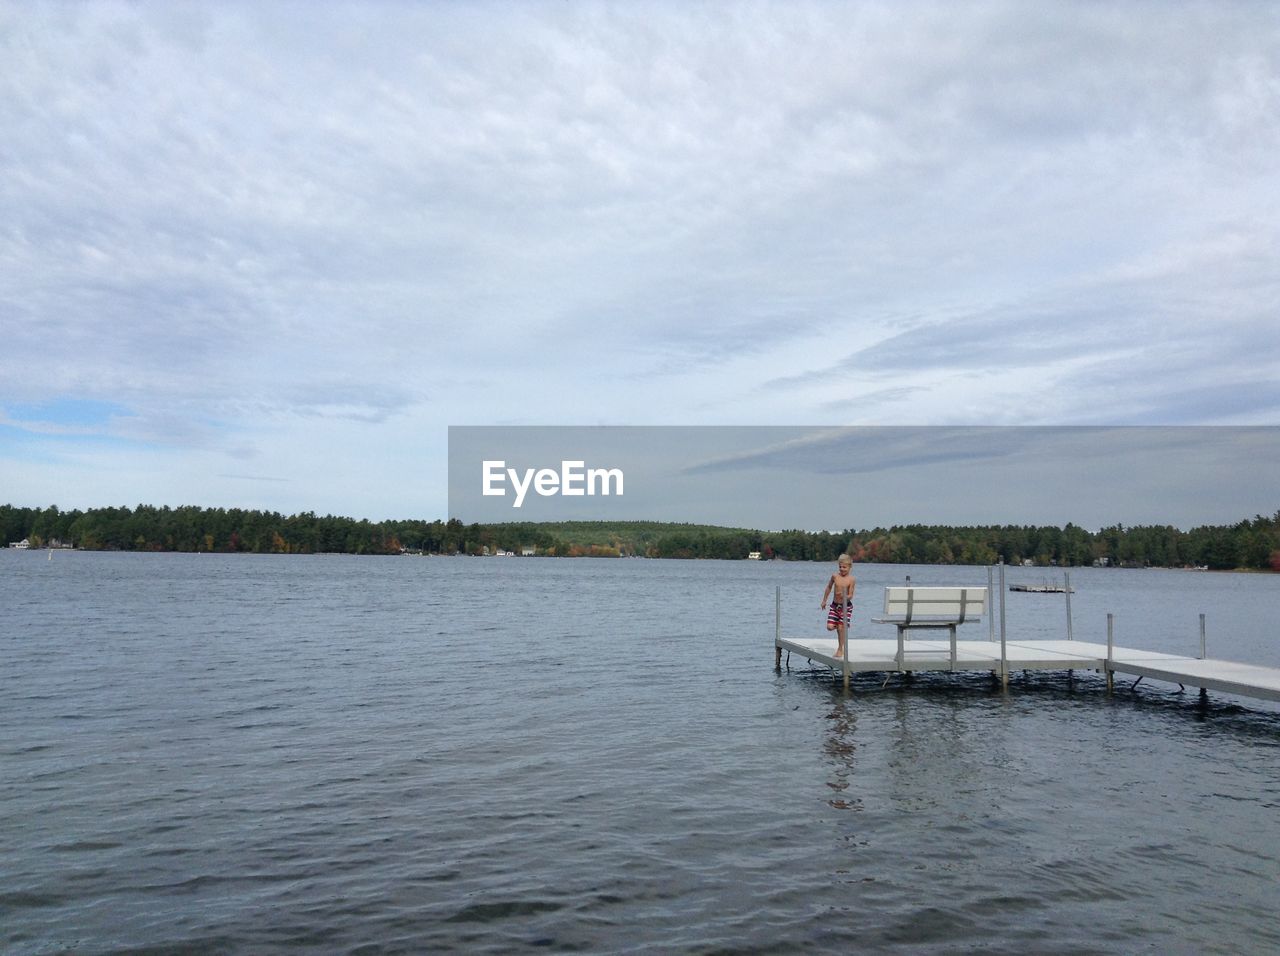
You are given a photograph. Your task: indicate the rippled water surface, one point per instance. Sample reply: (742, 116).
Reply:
(260, 754)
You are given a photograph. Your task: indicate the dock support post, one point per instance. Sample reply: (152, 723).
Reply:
(1204, 693)
(991, 617)
(777, 626)
(1066, 581)
(1066, 577)
(1004, 655)
(1110, 648)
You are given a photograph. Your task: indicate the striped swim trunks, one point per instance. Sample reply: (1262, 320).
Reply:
(840, 613)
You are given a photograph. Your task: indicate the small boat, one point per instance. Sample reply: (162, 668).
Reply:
(1041, 588)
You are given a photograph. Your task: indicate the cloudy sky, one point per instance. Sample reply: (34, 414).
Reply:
(263, 255)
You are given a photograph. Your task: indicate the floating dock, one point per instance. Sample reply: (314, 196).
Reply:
(880, 655)
(950, 607)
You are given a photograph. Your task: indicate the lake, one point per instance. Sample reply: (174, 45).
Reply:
(262, 754)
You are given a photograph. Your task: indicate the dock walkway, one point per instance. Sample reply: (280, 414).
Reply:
(918, 609)
(879, 655)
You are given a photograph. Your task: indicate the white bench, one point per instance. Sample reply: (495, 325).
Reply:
(917, 608)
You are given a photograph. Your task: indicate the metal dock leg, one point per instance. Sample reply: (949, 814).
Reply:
(1110, 651)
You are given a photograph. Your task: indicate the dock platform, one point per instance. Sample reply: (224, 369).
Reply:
(879, 655)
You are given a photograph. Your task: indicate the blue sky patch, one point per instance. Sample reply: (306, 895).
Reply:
(74, 413)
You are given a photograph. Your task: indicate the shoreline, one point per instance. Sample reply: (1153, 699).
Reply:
(628, 557)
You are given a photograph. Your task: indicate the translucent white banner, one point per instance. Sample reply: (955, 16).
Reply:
(816, 478)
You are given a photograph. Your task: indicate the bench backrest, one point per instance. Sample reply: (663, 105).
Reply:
(925, 604)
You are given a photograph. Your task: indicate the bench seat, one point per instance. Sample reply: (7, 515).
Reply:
(927, 608)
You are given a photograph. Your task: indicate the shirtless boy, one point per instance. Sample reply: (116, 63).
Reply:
(841, 614)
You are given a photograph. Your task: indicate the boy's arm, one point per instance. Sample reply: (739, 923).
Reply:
(827, 590)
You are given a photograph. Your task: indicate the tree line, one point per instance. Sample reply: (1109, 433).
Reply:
(1249, 544)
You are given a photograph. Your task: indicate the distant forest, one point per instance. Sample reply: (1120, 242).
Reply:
(1250, 544)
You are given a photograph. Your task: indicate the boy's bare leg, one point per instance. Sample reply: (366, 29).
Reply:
(841, 638)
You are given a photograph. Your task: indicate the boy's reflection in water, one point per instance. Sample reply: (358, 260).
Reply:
(841, 747)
